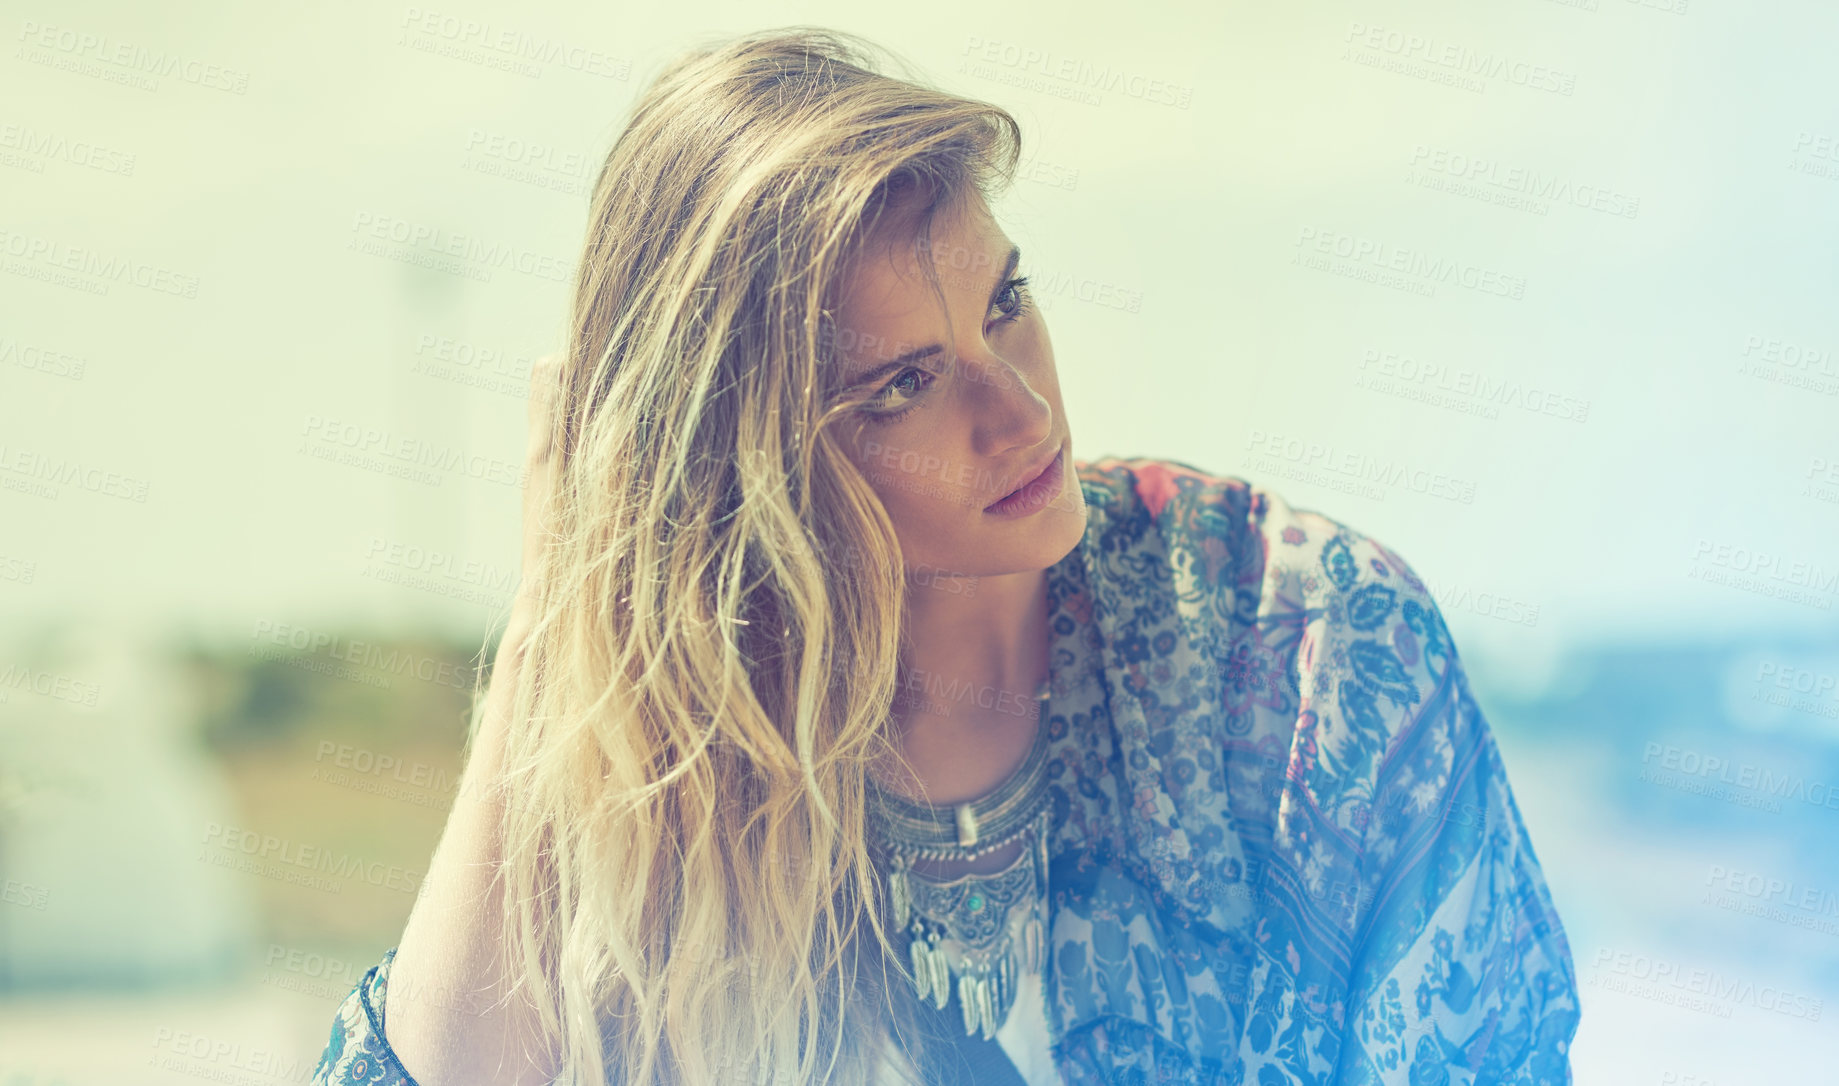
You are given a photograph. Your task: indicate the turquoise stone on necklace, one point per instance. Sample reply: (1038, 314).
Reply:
(952, 943)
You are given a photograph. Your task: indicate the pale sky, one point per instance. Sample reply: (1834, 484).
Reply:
(1246, 169)
(1539, 294)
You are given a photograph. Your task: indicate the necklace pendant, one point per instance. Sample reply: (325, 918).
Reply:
(940, 969)
(1040, 845)
(970, 1001)
(922, 969)
(902, 895)
(967, 825)
(987, 1003)
(976, 931)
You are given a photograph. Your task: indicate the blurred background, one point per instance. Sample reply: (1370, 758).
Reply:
(1539, 293)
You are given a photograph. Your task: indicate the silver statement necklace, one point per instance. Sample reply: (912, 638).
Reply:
(984, 929)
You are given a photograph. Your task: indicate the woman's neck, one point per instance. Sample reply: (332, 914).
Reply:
(967, 708)
(968, 652)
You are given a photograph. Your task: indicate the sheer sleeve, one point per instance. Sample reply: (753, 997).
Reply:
(1461, 973)
(357, 1054)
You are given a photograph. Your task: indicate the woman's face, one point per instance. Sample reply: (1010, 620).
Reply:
(959, 415)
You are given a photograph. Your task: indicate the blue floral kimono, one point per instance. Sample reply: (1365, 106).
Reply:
(1284, 848)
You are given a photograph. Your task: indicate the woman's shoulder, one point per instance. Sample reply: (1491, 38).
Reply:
(1264, 536)
(357, 1051)
(1306, 591)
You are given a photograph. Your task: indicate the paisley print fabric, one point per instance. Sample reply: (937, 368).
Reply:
(357, 1053)
(1284, 851)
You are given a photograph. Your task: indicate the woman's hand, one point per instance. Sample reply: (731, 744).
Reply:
(448, 1018)
(540, 467)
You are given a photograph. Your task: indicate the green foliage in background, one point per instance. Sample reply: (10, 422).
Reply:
(409, 690)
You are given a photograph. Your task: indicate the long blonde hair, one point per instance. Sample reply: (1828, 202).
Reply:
(690, 893)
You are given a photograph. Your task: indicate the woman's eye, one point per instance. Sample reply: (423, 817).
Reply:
(891, 401)
(909, 382)
(1013, 312)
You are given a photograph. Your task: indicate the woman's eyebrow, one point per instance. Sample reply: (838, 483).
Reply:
(908, 357)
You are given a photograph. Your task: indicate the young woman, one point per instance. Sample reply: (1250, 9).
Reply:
(850, 729)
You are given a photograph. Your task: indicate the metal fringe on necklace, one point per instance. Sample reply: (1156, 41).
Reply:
(995, 921)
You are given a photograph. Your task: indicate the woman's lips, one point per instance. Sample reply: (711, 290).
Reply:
(1030, 493)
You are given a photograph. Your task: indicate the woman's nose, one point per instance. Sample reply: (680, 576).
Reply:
(1011, 412)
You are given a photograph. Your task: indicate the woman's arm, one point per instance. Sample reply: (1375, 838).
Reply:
(1462, 971)
(447, 1016)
